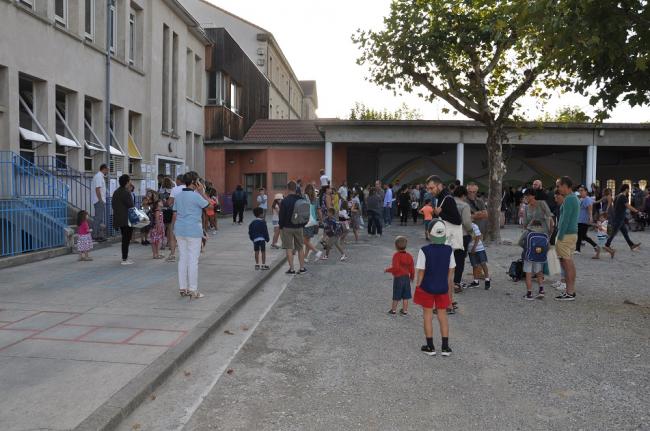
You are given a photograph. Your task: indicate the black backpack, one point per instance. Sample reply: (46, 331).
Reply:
(516, 270)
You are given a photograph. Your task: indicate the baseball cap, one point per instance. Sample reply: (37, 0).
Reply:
(438, 232)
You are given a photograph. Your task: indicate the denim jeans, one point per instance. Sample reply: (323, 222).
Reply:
(374, 223)
(99, 220)
(619, 225)
(388, 215)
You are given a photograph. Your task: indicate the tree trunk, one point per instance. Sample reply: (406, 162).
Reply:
(496, 172)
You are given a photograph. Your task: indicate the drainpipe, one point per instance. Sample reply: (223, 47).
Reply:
(107, 102)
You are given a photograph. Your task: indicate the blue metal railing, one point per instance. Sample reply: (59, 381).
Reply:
(33, 207)
(79, 183)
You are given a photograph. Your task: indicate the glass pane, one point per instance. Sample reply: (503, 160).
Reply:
(89, 16)
(59, 8)
(212, 87)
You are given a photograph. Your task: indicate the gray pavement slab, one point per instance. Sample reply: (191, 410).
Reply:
(328, 356)
(114, 320)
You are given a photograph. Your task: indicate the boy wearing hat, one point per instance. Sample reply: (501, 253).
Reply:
(435, 277)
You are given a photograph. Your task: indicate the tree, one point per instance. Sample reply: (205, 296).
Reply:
(479, 56)
(603, 46)
(361, 112)
(567, 114)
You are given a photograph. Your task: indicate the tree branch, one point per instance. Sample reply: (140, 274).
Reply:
(423, 80)
(501, 48)
(506, 107)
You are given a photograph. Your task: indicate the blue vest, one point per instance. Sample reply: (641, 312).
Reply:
(436, 271)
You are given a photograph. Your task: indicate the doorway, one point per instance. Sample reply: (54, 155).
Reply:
(252, 183)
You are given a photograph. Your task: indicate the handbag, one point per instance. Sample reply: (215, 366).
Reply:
(554, 267)
(138, 218)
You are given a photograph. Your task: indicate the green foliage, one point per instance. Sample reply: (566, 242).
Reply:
(361, 112)
(566, 114)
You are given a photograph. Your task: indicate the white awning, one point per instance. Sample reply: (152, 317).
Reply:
(92, 146)
(116, 152)
(28, 135)
(66, 142)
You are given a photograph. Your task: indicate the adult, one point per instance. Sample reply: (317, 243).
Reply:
(99, 203)
(324, 179)
(538, 215)
(617, 223)
(343, 190)
(388, 205)
(121, 202)
(168, 216)
(292, 234)
(263, 201)
(374, 205)
(585, 220)
(165, 189)
(404, 205)
(415, 203)
(239, 202)
(567, 235)
(477, 207)
(460, 255)
(311, 231)
(326, 201)
(188, 228)
(379, 189)
(299, 186)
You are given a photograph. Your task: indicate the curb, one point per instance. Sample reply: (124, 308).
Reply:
(113, 411)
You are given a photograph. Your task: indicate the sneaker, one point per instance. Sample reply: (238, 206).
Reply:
(275, 246)
(529, 296)
(540, 294)
(344, 258)
(635, 247)
(458, 288)
(127, 262)
(487, 284)
(474, 284)
(324, 257)
(559, 286)
(257, 267)
(171, 258)
(393, 312)
(319, 254)
(429, 351)
(290, 272)
(265, 267)
(576, 252)
(446, 351)
(451, 310)
(566, 297)
(302, 270)
(403, 313)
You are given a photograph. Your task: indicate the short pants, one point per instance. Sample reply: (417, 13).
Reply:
(401, 288)
(429, 300)
(533, 267)
(259, 245)
(310, 232)
(565, 246)
(476, 259)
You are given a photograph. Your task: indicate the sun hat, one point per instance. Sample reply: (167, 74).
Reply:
(278, 196)
(438, 232)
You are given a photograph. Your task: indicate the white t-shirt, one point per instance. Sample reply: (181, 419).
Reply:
(422, 261)
(479, 246)
(99, 181)
(175, 191)
(262, 200)
(343, 191)
(324, 180)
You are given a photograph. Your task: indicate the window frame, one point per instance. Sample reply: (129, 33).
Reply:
(61, 116)
(27, 3)
(278, 186)
(89, 36)
(112, 39)
(61, 20)
(133, 36)
(42, 131)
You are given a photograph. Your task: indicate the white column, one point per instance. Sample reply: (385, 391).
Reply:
(328, 160)
(460, 161)
(594, 170)
(589, 166)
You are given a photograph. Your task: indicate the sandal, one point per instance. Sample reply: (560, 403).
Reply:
(160, 256)
(196, 295)
(183, 292)
(171, 258)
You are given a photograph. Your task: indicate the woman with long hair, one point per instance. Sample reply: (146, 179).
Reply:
(311, 231)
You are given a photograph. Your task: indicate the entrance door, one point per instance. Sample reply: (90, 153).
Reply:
(253, 182)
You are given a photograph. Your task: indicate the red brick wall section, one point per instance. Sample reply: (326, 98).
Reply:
(339, 164)
(297, 163)
(215, 167)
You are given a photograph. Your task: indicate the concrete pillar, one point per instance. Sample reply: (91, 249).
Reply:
(460, 161)
(590, 174)
(328, 160)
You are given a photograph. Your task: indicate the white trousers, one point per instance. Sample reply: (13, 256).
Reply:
(188, 262)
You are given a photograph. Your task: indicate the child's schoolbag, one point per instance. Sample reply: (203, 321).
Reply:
(333, 228)
(536, 247)
(301, 212)
(516, 270)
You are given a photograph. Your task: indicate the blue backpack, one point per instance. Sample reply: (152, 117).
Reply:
(536, 247)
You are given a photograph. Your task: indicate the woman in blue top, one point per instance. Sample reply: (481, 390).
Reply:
(188, 229)
(585, 219)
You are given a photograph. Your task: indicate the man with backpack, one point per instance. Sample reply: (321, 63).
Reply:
(294, 215)
(567, 235)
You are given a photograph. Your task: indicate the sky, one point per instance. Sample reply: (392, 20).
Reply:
(315, 36)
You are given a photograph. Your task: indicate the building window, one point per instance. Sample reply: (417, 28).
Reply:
(216, 88)
(189, 73)
(174, 129)
(65, 139)
(132, 37)
(165, 79)
(280, 180)
(115, 148)
(30, 129)
(89, 19)
(611, 184)
(27, 3)
(135, 156)
(198, 79)
(61, 12)
(189, 150)
(234, 97)
(112, 39)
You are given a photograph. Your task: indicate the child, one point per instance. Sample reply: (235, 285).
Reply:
(344, 219)
(403, 272)
(275, 219)
(259, 234)
(84, 240)
(333, 231)
(355, 221)
(157, 232)
(427, 212)
(536, 268)
(435, 277)
(478, 257)
(601, 233)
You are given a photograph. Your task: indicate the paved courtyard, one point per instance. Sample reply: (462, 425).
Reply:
(328, 356)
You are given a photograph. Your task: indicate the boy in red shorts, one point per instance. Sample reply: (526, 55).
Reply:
(435, 276)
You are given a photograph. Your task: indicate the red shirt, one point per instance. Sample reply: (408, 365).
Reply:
(402, 265)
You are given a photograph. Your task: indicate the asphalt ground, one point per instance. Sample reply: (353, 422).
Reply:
(328, 356)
